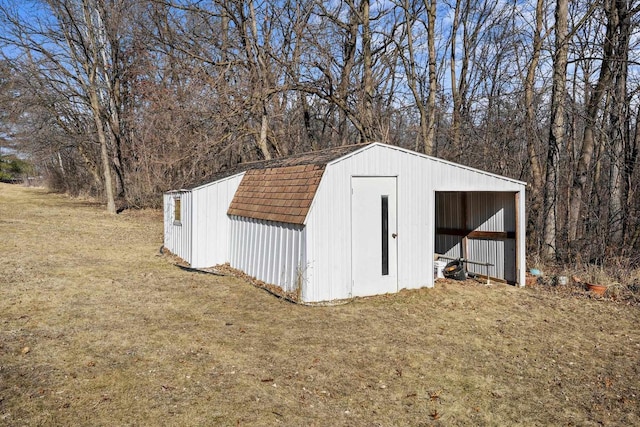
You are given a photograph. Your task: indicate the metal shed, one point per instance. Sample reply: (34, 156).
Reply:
(350, 221)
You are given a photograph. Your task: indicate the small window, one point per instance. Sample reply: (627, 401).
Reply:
(385, 235)
(177, 211)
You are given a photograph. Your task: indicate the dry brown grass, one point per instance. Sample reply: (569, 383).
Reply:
(96, 328)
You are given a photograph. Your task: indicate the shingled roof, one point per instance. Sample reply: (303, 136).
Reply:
(282, 190)
(277, 194)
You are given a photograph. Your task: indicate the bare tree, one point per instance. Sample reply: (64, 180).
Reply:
(163, 94)
(557, 129)
(415, 74)
(429, 136)
(531, 122)
(73, 52)
(581, 174)
(470, 17)
(619, 128)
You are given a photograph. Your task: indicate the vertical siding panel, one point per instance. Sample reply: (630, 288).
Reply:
(275, 255)
(178, 236)
(268, 250)
(267, 269)
(260, 232)
(246, 243)
(303, 260)
(294, 258)
(277, 260)
(289, 256)
(297, 272)
(285, 254)
(282, 265)
(255, 231)
(493, 211)
(233, 243)
(250, 248)
(273, 264)
(249, 245)
(241, 241)
(205, 229)
(266, 237)
(450, 216)
(289, 262)
(259, 257)
(253, 259)
(187, 225)
(236, 242)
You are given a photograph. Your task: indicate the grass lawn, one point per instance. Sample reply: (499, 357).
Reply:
(98, 329)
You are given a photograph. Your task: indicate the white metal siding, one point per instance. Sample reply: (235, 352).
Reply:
(492, 212)
(177, 236)
(419, 177)
(273, 252)
(328, 222)
(210, 221)
(449, 210)
(449, 214)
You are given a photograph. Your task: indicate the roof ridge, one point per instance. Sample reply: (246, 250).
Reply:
(319, 157)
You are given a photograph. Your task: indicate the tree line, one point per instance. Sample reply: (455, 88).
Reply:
(126, 99)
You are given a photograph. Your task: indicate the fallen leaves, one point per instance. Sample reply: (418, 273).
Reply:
(435, 395)
(434, 414)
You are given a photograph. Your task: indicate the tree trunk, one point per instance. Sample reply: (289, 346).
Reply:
(262, 139)
(455, 94)
(349, 57)
(367, 78)
(631, 157)
(532, 130)
(557, 131)
(423, 143)
(95, 27)
(104, 152)
(580, 178)
(429, 140)
(619, 130)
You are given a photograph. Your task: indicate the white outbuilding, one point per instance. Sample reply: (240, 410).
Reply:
(351, 221)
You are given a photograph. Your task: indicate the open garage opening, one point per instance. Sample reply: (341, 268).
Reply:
(481, 228)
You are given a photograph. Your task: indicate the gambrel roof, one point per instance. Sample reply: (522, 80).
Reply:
(282, 190)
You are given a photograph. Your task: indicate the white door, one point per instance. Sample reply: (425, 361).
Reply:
(374, 249)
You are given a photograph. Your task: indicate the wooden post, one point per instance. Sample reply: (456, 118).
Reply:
(465, 239)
